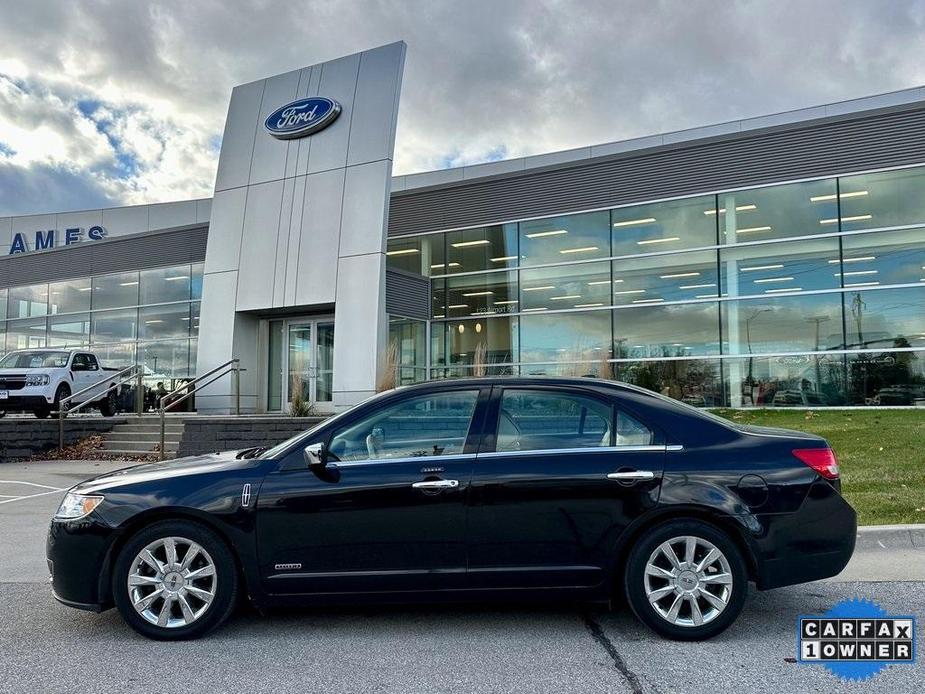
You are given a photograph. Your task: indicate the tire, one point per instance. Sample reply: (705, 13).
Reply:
(42, 412)
(725, 578)
(203, 616)
(64, 391)
(108, 405)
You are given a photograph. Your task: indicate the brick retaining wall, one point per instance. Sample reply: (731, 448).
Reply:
(21, 437)
(207, 434)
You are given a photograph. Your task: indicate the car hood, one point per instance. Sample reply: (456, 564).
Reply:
(168, 469)
(25, 371)
(778, 432)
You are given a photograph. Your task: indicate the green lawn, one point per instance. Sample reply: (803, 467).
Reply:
(881, 453)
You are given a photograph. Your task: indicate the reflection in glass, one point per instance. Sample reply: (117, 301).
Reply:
(24, 302)
(664, 226)
(884, 199)
(324, 362)
(485, 294)
(117, 356)
(409, 338)
(113, 326)
(586, 285)
(583, 336)
(697, 382)
(275, 366)
(802, 323)
(794, 209)
(890, 257)
(165, 284)
(780, 268)
(484, 248)
(422, 255)
(196, 281)
(565, 239)
(162, 322)
(654, 279)
(679, 330)
(115, 291)
(69, 296)
(71, 330)
(165, 360)
(886, 378)
(25, 333)
(482, 341)
(806, 380)
(885, 318)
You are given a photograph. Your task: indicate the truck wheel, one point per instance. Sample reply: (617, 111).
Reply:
(64, 391)
(108, 405)
(42, 411)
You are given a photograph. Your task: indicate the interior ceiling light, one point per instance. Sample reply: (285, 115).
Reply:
(542, 234)
(763, 280)
(595, 283)
(785, 289)
(630, 291)
(697, 286)
(467, 244)
(856, 272)
(504, 258)
(504, 303)
(825, 198)
(583, 249)
(635, 222)
(853, 218)
(679, 275)
(565, 296)
(536, 289)
(750, 230)
(647, 301)
(587, 305)
(540, 308)
(467, 295)
(859, 259)
(761, 267)
(862, 284)
(739, 208)
(666, 239)
(403, 251)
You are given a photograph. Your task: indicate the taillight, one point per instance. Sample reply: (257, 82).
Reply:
(822, 460)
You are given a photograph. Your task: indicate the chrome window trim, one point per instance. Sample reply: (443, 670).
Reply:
(591, 449)
(404, 459)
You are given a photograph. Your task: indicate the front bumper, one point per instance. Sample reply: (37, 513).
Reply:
(813, 543)
(17, 401)
(78, 561)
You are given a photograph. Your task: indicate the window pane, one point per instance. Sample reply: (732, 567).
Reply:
(165, 361)
(196, 281)
(194, 319)
(23, 334)
(165, 284)
(483, 341)
(560, 239)
(885, 318)
(654, 279)
(425, 425)
(795, 209)
(409, 338)
(572, 337)
(584, 285)
(778, 268)
(159, 322)
(24, 302)
(891, 257)
(890, 378)
(3, 294)
(69, 296)
(535, 420)
(485, 248)
(806, 323)
(697, 382)
(811, 380)
(422, 255)
(632, 432)
(888, 198)
(679, 330)
(468, 295)
(113, 326)
(117, 356)
(114, 291)
(664, 226)
(69, 331)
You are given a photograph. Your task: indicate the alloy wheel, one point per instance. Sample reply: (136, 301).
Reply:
(172, 582)
(688, 581)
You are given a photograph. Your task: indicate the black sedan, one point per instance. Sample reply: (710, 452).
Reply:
(468, 489)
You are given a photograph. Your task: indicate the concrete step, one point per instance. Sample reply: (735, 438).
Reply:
(115, 453)
(178, 428)
(142, 438)
(135, 446)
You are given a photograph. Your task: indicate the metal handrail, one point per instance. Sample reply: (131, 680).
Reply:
(64, 404)
(181, 394)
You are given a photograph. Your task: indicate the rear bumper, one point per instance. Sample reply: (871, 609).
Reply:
(813, 543)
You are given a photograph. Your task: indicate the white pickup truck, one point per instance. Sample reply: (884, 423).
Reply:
(37, 380)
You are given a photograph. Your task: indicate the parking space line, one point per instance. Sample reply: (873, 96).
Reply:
(30, 496)
(32, 484)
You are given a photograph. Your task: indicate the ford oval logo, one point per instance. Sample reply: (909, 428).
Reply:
(302, 117)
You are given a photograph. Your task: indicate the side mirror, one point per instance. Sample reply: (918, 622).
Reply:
(315, 455)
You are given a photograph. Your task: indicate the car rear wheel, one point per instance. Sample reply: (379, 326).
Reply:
(108, 404)
(175, 580)
(686, 580)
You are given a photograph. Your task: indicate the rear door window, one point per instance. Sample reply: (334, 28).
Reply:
(539, 420)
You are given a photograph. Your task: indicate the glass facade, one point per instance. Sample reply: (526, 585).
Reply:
(148, 317)
(799, 294)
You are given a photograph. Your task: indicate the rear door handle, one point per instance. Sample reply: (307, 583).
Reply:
(631, 475)
(436, 484)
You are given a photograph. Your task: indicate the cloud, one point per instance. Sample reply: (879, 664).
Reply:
(130, 98)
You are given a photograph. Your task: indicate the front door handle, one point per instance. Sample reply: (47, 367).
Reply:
(631, 475)
(436, 484)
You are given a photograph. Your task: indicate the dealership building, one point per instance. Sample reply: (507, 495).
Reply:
(771, 261)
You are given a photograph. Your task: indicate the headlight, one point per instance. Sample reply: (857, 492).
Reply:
(75, 506)
(37, 380)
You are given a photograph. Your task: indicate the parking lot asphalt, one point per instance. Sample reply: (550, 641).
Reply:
(47, 647)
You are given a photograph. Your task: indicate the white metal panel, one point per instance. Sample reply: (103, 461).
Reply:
(121, 221)
(338, 82)
(82, 220)
(316, 271)
(171, 214)
(294, 233)
(269, 160)
(218, 290)
(372, 131)
(223, 250)
(366, 207)
(282, 243)
(203, 209)
(6, 234)
(258, 246)
(234, 161)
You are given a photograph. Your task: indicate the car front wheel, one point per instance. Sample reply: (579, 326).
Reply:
(686, 580)
(175, 580)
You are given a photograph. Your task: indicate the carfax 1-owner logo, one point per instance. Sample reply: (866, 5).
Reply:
(856, 639)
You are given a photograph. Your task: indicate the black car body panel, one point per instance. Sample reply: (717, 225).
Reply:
(519, 521)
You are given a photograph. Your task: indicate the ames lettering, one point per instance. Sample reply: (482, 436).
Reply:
(44, 240)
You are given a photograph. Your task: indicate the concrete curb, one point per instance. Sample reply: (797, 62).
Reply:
(910, 536)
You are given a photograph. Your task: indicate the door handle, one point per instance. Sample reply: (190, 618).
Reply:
(631, 475)
(436, 484)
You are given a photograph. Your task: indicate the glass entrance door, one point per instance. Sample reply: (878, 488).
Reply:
(301, 362)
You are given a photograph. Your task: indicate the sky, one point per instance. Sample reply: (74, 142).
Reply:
(112, 102)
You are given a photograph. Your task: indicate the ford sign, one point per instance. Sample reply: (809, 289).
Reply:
(302, 117)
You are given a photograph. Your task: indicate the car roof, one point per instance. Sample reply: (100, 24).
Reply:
(579, 381)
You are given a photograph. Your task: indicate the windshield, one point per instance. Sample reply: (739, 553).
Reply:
(35, 359)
